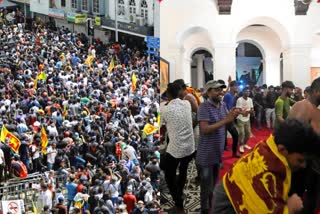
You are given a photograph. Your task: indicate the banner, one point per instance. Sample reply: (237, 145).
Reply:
(77, 18)
(44, 141)
(14, 206)
(56, 13)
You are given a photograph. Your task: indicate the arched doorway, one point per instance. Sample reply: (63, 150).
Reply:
(201, 68)
(249, 64)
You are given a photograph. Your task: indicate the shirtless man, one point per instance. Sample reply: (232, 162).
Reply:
(309, 179)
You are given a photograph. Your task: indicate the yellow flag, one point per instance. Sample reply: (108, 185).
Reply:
(35, 211)
(44, 141)
(134, 82)
(149, 129)
(111, 65)
(89, 61)
(158, 119)
(64, 113)
(14, 142)
(41, 76)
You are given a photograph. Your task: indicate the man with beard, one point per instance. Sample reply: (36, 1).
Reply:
(213, 117)
(283, 103)
(309, 179)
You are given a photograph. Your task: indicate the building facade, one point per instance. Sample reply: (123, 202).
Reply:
(286, 32)
(134, 17)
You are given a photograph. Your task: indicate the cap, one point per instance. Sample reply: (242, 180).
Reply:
(214, 84)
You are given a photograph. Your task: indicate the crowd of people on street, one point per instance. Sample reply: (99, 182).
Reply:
(88, 113)
(195, 123)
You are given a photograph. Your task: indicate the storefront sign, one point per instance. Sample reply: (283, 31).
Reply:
(77, 18)
(98, 21)
(56, 13)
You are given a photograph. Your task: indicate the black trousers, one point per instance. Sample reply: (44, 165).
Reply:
(231, 128)
(306, 183)
(176, 183)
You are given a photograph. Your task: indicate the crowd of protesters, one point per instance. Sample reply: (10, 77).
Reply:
(84, 99)
(235, 108)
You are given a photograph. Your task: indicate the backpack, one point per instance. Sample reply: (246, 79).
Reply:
(195, 94)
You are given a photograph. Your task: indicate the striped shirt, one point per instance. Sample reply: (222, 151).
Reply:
(211, 145)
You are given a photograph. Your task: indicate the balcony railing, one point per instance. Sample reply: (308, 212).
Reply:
(144, 30)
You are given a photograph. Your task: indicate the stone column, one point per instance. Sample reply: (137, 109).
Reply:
(296, 65)
(200, 71)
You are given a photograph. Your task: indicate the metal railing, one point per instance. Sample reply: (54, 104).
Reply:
(26, 189)
(144, 30)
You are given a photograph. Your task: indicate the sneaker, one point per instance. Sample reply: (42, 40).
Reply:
(241, 149)
(247, 147)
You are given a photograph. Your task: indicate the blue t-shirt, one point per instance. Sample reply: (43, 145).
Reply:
(72, 190)
(229, 100)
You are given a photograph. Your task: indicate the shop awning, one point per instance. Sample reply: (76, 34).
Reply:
(6, 3)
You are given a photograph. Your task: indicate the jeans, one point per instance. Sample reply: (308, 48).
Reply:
(70, 203)
(235, 137)
(209, 178)
(244, 131)
(270, 117)
(176, 184)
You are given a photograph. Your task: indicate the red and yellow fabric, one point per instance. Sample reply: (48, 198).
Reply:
(41, 76)
(149, 129)
(134, 82)
(44, 141)
(195, 94)
(14, 142)
(260, 181)
(111, 65)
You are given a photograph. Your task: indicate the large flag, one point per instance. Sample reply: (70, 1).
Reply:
(149, 129)
(14, 142)
(111, 65)
(134, 82)
(44, 141)
(41, 76)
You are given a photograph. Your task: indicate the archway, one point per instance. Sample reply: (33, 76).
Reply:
(201, 68)
(265, 43)
(249, 64)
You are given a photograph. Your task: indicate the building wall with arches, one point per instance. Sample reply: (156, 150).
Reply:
(186, 25)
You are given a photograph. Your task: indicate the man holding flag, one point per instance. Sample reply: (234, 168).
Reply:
(41, 76)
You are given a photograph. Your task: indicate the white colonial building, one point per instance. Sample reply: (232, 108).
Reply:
(286, 33)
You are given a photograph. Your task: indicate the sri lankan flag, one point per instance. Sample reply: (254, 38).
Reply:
(149, 129)
(14, 142)
(134, 82)
(111, 65)
(44, 141)
(41, 76)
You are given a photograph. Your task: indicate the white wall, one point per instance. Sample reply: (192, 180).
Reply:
(178, 16)
(39, 6)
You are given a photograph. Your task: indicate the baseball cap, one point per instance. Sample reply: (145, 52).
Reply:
(213, 84)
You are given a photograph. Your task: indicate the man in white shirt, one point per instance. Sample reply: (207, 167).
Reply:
(45, 198)
(51, 155)
(177, 116)
(2, 164)
(243, 120)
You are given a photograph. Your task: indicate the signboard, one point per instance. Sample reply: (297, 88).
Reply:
(77, 18)
(56, 13)
(41, 7)
(14, 206)
(98, 21)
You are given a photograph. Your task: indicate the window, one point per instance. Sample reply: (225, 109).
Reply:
(85, 5)
(132, 7)
(121, 8)
(144, 9)
(96, 6)
(74, 4)
(63, 3)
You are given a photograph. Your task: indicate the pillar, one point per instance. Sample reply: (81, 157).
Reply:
(224, 62)
(200, 71)
(296, 65)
